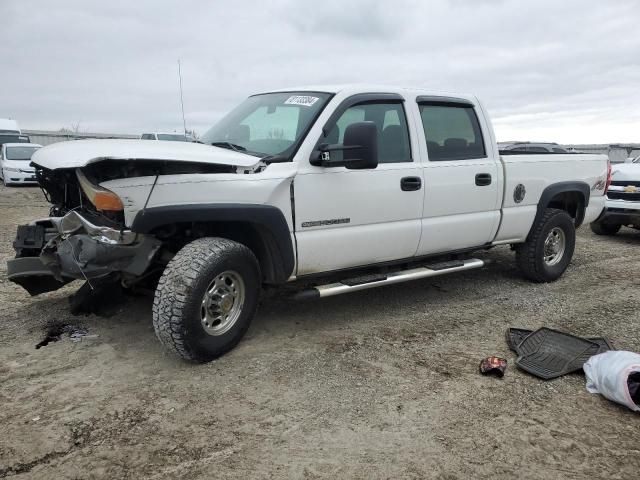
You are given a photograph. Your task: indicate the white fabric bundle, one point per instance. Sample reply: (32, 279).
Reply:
(608, 373)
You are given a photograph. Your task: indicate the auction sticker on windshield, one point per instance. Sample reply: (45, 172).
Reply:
(303, 100)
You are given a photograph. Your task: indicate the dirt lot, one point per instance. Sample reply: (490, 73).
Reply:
(378, 384)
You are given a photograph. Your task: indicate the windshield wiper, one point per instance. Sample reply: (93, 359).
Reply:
(268, 159)
(229, 146)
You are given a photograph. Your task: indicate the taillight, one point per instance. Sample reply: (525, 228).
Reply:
(606, 187)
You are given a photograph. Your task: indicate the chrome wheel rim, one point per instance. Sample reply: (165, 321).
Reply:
(222, 303)
(554, 246)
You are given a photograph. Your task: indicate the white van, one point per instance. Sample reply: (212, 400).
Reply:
(10, 132)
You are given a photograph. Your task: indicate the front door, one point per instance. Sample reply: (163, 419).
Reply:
(348, 218)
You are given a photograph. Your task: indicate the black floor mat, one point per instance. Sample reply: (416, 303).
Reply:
(604, 343)
(548, 353)
(515, 336)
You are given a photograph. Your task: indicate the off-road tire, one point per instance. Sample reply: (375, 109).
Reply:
(602, 228)
(182, 286)
(530, 255)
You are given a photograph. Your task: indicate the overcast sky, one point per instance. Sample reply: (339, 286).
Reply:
(548, 70)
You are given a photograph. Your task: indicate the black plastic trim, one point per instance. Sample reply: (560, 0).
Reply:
(305, 295)
(269, 221)
(359, 99)
(33, 275)
(444, 101)
(619, 215)
(410, 184)
(563, 187)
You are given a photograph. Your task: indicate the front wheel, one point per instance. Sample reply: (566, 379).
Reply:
(206, 298)
(602, 228)
(548, 251)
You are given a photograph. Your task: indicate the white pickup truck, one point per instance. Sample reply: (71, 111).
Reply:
(327, 189)
(622, 205)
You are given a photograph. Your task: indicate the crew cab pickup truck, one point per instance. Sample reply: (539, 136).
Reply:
(622, 205)
(325, 190)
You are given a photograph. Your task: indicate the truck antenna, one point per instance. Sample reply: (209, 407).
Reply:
(184, 122)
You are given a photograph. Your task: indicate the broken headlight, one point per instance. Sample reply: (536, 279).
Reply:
(101, 198)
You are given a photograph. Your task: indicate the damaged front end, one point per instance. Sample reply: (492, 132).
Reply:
(86, 235)
(71, 248)
(84, 238)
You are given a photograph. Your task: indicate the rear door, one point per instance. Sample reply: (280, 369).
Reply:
(463, 176)
(348, 218)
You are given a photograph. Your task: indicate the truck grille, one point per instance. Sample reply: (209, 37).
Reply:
(631, 197)
(624, 183)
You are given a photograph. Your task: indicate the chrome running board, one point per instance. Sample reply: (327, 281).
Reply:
(372, 281)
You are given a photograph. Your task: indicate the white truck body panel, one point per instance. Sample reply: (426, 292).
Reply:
(537, 172)
(376, 209)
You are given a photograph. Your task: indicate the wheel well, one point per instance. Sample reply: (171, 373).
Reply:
(571, 202)
(255, 237)
(261, 228)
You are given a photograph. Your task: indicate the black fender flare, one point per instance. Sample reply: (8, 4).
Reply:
(267, 220)
(563, 187)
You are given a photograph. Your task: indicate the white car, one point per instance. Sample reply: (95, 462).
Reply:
(325, 190)
(15, 163)
(622, 206)
(171, 137)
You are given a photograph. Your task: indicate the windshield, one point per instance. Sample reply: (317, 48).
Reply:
(269, 124)
(20, 153)
(173, 137)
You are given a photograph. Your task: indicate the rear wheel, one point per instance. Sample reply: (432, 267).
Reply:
(603, 228)
(206, 298)
(548, 251)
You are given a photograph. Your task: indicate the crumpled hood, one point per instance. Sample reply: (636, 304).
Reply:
(625, 171)
(78, 153)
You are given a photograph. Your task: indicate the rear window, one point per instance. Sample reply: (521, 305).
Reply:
(452, 132)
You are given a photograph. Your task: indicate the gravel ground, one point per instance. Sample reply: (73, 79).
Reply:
(377, 384)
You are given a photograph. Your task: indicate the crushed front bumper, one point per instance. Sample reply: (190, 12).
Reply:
(54, 251)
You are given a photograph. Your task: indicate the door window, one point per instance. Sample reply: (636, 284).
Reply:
(391, 123)
(452, 132)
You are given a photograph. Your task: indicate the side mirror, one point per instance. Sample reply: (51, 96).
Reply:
(359, 147)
